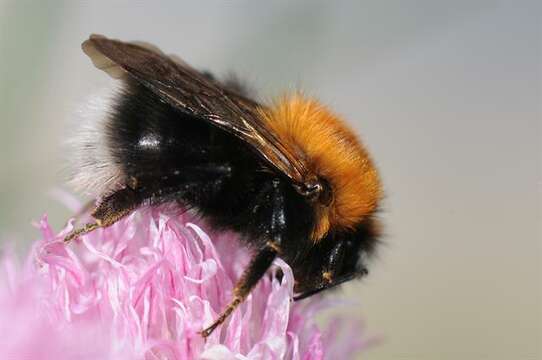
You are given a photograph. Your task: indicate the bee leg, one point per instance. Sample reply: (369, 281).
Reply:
(334, 261)
(122, 202)
(327, 285)
(253, 273)
(259, 263)
(110, 210)
(329, 276)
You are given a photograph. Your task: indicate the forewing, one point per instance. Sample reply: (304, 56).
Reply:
(190, 91)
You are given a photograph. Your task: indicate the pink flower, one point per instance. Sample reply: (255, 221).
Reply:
(144, 288)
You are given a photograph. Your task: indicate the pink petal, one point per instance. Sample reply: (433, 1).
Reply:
(143, 289)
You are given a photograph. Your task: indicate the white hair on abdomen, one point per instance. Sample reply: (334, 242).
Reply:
(94, 171)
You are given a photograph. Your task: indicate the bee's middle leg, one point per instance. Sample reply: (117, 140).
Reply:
(261, 261)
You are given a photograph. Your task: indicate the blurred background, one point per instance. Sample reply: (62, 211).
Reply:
(447, 96)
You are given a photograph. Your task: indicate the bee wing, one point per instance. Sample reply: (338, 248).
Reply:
(188, 90)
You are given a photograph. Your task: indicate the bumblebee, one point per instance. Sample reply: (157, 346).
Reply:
(290, 177)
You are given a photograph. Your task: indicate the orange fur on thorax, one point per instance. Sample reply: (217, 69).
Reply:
(333, 153)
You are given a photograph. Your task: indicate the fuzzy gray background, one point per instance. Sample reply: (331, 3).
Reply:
(446, 95)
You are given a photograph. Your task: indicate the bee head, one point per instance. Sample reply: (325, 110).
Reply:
(346, 187)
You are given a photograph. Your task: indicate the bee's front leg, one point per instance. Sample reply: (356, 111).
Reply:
(331, 274)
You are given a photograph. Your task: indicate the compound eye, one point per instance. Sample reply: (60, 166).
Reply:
(316, 190)
(313, 189)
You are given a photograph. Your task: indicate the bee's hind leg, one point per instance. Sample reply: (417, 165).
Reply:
(110, 210)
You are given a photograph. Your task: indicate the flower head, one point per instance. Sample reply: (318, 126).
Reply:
(144, 288)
